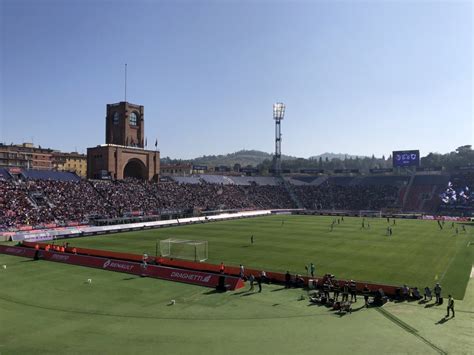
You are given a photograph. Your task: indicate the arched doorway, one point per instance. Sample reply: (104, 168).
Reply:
(135, 169)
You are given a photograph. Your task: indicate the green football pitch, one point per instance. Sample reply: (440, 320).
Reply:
(417, 254)
(48, 307)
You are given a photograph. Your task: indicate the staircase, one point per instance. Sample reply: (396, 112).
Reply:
(294, 197)
(408, 191)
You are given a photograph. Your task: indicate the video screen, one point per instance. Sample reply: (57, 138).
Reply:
(403, 158)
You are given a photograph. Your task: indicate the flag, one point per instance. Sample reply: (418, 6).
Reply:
(156, 143)
(146, 142)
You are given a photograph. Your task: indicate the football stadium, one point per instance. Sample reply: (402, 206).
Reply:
(122, 250)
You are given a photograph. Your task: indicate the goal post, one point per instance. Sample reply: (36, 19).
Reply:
(195, 250)
(370, 213)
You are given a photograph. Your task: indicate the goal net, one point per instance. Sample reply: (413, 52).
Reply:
(369, 213)
(195, 250)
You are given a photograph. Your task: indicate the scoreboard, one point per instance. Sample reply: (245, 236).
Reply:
(403, 158)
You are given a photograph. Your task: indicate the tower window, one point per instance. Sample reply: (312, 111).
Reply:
(133, 119)
(116, 118)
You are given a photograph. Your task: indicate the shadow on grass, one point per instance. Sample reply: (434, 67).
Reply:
(443, 320)
(239, 293)
(130, 278)
(431, 305)
(359, 308)
(278, 289)
(423, 301)
(400, 300)
(213, 291)
(249, 293)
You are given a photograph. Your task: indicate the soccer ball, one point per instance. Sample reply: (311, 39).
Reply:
(89, 281)
(4, 266)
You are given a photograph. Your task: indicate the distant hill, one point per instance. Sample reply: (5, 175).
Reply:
(248, 157)
(242, 157)
(331, 156)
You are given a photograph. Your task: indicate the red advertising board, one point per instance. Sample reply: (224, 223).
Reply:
(161, 272)
(26, 252)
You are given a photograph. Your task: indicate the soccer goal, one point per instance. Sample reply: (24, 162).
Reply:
(370, 213)
(195, 250)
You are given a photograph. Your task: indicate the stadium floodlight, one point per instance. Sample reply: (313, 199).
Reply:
(278, 115)
(278, 111)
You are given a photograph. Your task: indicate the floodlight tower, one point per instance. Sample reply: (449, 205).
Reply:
(278, 115)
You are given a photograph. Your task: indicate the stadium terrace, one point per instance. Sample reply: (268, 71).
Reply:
(35, 200)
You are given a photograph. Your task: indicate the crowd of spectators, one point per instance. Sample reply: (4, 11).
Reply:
(459, 194)
(35, 202)
(133, 195)
(329, 196)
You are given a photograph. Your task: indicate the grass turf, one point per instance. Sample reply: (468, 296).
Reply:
(49, 307)
(418, 253)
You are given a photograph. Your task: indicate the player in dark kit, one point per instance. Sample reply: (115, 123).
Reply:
(336, 288)
(353, 290)
(345, 292)
(251, 239)
(450, 306)
(287, 279)
(326, 289)
(366, 293)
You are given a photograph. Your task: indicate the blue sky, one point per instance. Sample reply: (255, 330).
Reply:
(357, 77)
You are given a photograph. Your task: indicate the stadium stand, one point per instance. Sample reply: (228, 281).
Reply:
(422, 193)
(50, 175)
(187, 179)
(330, 196)
(461, 197)
(216, 179)
(4, 174)
(340, 180)
(36, 198)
